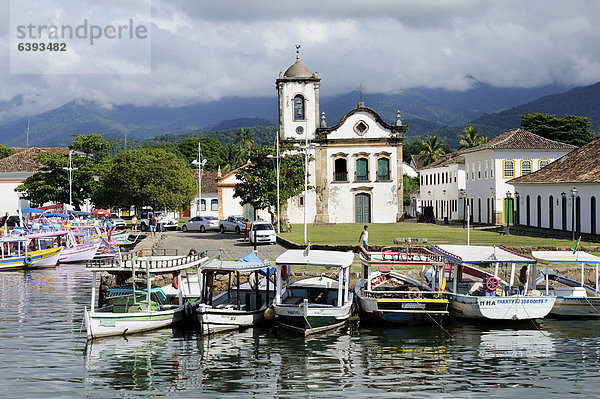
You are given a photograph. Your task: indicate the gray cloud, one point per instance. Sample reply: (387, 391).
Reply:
(203, 51)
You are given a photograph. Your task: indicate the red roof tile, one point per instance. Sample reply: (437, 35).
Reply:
(23, 160)
(579, 166)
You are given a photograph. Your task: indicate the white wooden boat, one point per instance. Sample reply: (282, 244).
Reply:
(75, 249)
(318, 303)
(138, 307)
(235, 304)
(574, 299)
(391, 298)
(15, 254)
(483, 295)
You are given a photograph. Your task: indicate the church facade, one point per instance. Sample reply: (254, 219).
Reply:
(355, 168)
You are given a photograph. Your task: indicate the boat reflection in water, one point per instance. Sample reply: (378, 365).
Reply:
(516, 344)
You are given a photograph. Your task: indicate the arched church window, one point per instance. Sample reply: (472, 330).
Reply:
(383, 169)
(298, 108)
(340, 169)
(362, 169)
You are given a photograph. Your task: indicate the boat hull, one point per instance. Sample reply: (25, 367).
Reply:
(37, 259)
(214, 320)
(105, 324)
(506, 308)
(400, 309)
(80, 253)
(576, 307)
(310, 319)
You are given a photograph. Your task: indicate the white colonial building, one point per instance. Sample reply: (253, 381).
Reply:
(564, 195)
(477, 178)
(357, 168)
(491, 165)
(440, 185)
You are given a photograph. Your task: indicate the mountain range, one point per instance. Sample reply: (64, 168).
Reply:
(429, 111)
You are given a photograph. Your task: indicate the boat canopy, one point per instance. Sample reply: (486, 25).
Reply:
(480, 254)
(315, 258)
(565, 257)
(32, 210)
(13, 239)
(248, 263)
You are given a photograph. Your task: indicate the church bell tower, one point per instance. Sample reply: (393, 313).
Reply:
(298, 94)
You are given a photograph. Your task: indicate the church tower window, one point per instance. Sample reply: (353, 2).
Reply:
(299, 108)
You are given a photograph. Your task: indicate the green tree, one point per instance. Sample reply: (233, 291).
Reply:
(212, 151)
(233, 158)
(571, 129)
(471, 138)
(258, 181)
(5, 151)
(245, 139)
(411, 147)
(409, 183)
(51, 183)
(147, 177)
(433, 149)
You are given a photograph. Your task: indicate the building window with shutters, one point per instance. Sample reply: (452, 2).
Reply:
(340, 170)
(525, 167)
(383, 169)
(508, 168)
(362, 169)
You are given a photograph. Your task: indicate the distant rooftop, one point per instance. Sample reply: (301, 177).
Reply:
(23, 160)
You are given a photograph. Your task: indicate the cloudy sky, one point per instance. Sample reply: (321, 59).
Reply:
(209, 49)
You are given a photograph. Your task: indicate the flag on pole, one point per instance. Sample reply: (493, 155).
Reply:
(575, 246)
(307, 250)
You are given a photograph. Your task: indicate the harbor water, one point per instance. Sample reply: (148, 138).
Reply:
(43, 354)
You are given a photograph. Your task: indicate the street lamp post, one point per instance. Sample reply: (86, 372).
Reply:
(70, 168)
(508, 210)
(277, 158)
(573, 195)
(463, 195)
(200, 162)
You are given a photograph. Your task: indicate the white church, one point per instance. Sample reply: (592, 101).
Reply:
(357, 169)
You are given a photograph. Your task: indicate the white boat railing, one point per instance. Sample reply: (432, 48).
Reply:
(155, 265)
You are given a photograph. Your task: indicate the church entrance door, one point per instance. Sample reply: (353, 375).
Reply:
(362, 206)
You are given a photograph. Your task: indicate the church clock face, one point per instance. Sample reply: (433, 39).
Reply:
(299, 130)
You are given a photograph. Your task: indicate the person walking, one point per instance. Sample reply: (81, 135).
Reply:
(364, 237)
(152, 226)
(247, 232)
(134, 223)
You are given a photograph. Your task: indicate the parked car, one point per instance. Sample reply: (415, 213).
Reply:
(233, 223)
(118, 222)
(167, 222)
(262, 232)
(201, 224)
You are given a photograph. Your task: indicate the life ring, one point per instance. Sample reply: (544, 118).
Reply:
(28, 260)
(492, 284)
(6, 246)
(175, 282)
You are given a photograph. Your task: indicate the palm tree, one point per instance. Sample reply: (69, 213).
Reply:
(471, 138)
(232, 155)
(245, 139)
(432, 151)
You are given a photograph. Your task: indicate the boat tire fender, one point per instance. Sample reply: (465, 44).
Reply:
(188, 309)
(28, 260)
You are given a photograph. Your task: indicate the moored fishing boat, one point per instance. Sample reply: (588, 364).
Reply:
(239, 303)
(138, 306)
(15, 254)
(478, 294)
(318, 303)
(574, 299)
(389, 297)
